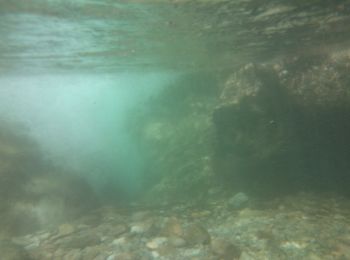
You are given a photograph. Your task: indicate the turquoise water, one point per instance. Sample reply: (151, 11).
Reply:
(79, 120)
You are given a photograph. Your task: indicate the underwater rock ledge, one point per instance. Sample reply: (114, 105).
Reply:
(285, 123)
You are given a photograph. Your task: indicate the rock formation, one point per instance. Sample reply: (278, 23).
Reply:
(284, 125)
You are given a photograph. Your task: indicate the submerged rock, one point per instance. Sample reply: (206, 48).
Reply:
(80, 241)
(156, 243)
(284, 125)
(173, 227)
(238, 201)
(225, 249)
(196, 234)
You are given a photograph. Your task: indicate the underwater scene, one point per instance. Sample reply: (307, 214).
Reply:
(174, 129)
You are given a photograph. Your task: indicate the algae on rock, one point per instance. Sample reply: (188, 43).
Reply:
(176, 130)
(284, 125)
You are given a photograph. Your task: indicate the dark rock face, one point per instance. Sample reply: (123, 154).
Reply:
(317, 82)
(284, 123)
(33, 193)
(254, 130)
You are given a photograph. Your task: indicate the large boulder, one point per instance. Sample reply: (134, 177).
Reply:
(285, 123)
(34, 194)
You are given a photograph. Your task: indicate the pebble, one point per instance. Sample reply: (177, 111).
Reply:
(174, 234)
(155, 254)
(112, 257)
(156, 243)
(119, 241)
(138, 229)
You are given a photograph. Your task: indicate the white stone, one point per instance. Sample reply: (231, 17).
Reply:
(119, 241)
(111, 257)
(155, 254)
(156, 242)
(137, 229)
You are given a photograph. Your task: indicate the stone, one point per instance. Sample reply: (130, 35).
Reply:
(172, 227)
(177, 241)
(238, 201)
(267, 117)
(142, 228)
(112, 257)
(119, 241)
(112, 230)
(138, 229)
(65, 229)
(155, 254)
(254, 125)
(80, 241)
(225, 249)
(196, 234)
(156, 243)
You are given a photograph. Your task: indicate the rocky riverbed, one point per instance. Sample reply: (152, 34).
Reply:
(302, 226)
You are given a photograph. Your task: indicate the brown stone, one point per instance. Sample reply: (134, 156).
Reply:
(172, 227)
(225, 249)
(196, 234)
(80, 241)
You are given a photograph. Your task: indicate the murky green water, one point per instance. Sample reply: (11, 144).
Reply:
(147, 116)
